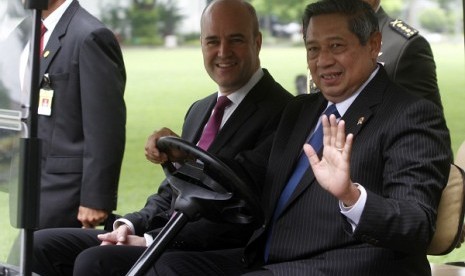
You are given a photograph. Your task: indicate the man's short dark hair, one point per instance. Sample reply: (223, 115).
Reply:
(361, 18)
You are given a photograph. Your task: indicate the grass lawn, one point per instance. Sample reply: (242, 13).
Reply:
(163, 83)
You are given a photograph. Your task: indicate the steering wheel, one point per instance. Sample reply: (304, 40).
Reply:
(205, 186)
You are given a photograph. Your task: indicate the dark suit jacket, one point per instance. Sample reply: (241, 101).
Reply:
(254, 119)
(401, 156)
(83, 139)
(408, 59)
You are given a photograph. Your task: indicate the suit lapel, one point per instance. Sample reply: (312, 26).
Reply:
(306, 118)
(244, 111)
(361, 110)
(199, 116)
(356, 117)
(54, 45)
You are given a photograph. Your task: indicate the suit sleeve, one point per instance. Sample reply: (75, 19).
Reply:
(251, 165)
(416, 155)
(416, 63)
(156, 211)
(102, 81)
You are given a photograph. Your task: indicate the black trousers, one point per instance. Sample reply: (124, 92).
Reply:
(76, 251)
(208, 263)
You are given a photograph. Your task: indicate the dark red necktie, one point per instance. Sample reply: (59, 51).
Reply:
(214, 123)
(43, 29)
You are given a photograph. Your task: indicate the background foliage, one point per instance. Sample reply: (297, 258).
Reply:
(148, 22)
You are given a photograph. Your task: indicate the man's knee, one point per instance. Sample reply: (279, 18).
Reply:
(92, 260)
(46, 243)
(47, 257)
(56, 249)
(107, 260)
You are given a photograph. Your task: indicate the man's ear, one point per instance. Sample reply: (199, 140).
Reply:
(375, 44)
(258, 41)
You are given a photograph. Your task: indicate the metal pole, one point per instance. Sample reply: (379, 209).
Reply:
(162, 240)
(29, 185)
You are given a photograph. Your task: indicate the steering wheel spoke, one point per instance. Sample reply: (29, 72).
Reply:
(205, 186)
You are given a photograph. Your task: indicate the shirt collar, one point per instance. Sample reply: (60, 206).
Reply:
(237, 96)
(344, 105)
(52, 20)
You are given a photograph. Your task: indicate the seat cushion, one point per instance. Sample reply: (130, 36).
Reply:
(450, 214)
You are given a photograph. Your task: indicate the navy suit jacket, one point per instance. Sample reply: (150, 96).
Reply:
(83, 140)
(401, 155)
(255, 119)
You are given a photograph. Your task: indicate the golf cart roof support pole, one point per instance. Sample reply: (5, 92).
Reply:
(30, 148)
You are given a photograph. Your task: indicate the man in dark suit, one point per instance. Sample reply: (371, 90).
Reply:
(231, 42)
(407, 56)
(82, 117)
(367, 203)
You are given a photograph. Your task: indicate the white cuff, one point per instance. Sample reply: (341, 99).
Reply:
(353, 213)
(148, 239)
(126, 222)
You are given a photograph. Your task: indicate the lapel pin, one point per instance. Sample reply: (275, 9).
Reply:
(360, 120)
(46, 53)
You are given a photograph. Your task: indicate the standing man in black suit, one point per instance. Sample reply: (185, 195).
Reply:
(82, 117)
(407, 56)
(231, 43)
(367, 203)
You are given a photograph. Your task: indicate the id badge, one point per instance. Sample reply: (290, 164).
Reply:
(45, 102)
(45, 97)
